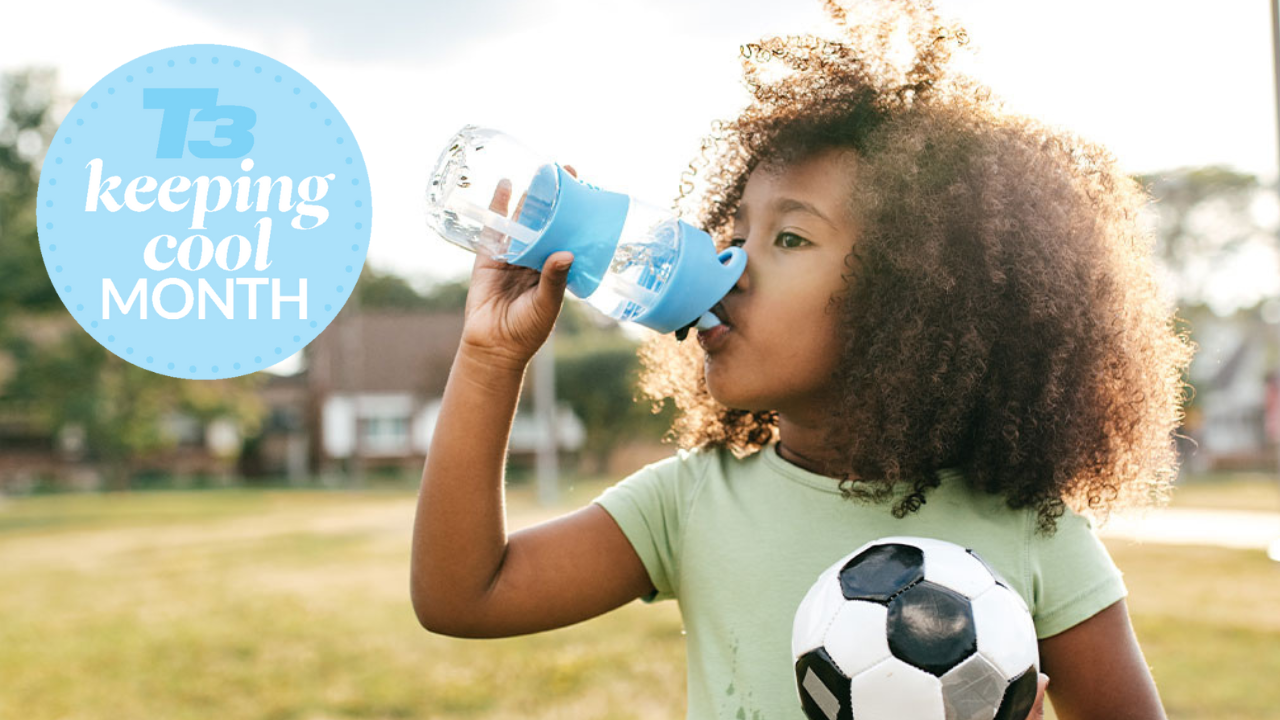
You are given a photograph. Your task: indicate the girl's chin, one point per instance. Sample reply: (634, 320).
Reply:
(726, 383)
(727, 399)
(731, 395)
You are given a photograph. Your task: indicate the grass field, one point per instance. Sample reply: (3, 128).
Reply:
(1257, 492)
(280, 605)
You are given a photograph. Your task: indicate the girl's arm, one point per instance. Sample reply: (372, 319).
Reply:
(1098, 670)
(467, 578)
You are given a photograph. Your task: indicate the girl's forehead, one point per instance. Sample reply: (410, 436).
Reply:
(822, 181)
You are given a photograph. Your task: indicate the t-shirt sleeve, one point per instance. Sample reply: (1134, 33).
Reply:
(1072, 576)
(649, 507)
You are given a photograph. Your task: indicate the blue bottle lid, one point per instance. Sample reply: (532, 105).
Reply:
(580, 218)
(588, 221)
(698, 281)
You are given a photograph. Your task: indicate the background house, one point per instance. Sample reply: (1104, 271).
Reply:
(41, 446)
(369, 397)
(1231, 372)
(366, 401)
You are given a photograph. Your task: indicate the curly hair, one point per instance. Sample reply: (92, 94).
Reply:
(1001, 313)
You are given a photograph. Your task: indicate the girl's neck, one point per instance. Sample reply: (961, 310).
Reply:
(805, 446)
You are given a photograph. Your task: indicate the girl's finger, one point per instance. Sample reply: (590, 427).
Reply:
(499, 203)
(555, 278)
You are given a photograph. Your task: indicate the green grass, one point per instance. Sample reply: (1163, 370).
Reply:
(281, 606)
(1258, 492)
(1209, 627)
(293, 605)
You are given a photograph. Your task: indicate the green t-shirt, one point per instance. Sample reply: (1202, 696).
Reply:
(738, 543)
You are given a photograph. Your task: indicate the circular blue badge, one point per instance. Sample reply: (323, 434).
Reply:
(204, 211)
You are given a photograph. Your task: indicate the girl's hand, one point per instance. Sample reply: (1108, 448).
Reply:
(511, 309)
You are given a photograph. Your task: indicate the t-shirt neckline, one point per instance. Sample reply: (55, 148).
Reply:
(815, 480)
(798, 474)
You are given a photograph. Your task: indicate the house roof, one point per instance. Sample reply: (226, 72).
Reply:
(385, 351)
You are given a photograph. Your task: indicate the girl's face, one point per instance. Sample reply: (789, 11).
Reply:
(783, 345)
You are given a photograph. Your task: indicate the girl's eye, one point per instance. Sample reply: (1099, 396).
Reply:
(737, 242)
(790, 240)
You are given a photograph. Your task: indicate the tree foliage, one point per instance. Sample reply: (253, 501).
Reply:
(1206, 220)
(26, 125)
(54, 376)
(599, 378)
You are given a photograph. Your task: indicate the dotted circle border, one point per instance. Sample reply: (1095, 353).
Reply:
(69, 139)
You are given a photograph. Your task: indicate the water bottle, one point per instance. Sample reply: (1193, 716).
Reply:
(632, 261)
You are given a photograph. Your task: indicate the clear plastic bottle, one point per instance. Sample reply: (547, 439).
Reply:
(632, 261)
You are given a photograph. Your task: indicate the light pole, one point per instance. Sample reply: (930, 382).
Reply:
(544, 404)
(1274, 551)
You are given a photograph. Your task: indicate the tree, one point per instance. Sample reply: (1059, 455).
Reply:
(26, 125)
(377, 290)
(52, 374)
(1206, 219)
(597, 374)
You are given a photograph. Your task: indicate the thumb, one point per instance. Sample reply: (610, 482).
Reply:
(555, 278)
(1037, 709)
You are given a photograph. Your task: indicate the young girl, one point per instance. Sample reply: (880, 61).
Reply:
(947, 327)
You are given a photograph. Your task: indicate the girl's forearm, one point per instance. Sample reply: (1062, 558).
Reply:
(459, 533)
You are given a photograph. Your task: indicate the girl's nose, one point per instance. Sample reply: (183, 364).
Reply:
(743, 281)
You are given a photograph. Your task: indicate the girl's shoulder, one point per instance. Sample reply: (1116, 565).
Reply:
(1065, 575)
(669, 483)
(692, 464)
(954, 489)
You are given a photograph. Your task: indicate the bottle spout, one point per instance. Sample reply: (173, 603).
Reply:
(700, 278)
(706, 322)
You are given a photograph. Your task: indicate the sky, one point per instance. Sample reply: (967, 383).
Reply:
(625, 90)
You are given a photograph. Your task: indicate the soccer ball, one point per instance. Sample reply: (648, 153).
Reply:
(908, 628)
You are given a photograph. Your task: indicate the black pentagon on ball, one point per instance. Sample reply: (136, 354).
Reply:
(824, 690)
(1019, 696)
(932, 628)
(878, 573)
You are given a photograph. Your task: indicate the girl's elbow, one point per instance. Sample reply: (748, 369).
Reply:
(429, 609)
(437, 614)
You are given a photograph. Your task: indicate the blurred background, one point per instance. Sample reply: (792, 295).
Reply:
(238, 549)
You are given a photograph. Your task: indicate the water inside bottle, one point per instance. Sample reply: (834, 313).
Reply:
(478, 228)
(463, 202)
(641, 265)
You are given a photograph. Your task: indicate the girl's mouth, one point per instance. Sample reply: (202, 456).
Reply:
(712, 339)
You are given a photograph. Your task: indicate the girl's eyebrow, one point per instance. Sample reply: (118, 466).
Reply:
(784, 205)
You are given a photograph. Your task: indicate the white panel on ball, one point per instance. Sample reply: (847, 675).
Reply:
(893, 690)
(856, 640)
(1006, 633)
(950, 566)
(815, 613)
